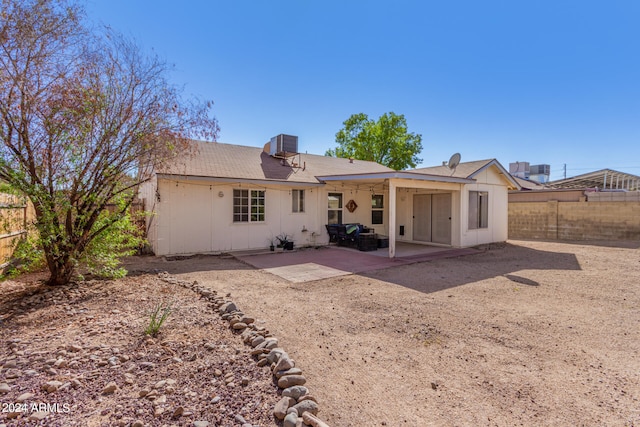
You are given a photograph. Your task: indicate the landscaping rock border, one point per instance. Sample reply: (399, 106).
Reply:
(297, 407)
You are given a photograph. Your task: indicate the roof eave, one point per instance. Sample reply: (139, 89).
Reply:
(235, 180)
(507, 176)
(394, 175)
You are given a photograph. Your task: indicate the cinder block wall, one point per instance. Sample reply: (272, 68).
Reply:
(555, 220)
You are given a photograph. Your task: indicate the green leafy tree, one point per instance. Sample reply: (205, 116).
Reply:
(83, 113)
(386, 141)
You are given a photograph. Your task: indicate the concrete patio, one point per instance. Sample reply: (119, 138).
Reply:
(309, 264)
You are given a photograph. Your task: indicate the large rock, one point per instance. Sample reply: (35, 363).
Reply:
(247, 319)
(280, 410)
(291, 380)
(74, 348)
(12, 374)
(51, 386)
(38, 416)
(296, 391)
(275, 354)
(270, 343)
(257, 340)
(228, 307)
(24, 396)
(292, 371)
(284, 363)
(312, 420)
(110, 388)
(239, 326)
(290, 420)
(307, 406)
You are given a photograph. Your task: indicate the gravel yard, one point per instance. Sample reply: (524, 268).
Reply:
(523, 333)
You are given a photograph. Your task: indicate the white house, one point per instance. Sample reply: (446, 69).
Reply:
(226, 197)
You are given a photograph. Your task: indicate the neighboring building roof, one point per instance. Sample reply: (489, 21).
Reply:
(231, 162)
(527, 184)
(608, 179)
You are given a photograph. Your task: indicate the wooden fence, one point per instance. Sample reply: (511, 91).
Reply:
(15, 215)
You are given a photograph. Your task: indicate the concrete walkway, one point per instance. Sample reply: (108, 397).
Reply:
(306, 265)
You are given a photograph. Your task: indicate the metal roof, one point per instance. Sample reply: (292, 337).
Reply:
(604, 179)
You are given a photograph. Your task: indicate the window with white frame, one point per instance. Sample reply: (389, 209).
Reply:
(335, 208)
(478, 209)
(248, 205)
(377, 208)
(297, 201)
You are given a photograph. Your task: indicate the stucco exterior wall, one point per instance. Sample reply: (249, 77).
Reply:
(498, 219)
(574, 220)
(488, 180)
(192, 217)
(197, 217)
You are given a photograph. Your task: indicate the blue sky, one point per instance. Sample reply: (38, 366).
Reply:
(555, 82)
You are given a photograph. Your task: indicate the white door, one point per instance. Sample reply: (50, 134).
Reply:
(422, 217)
(441, 218)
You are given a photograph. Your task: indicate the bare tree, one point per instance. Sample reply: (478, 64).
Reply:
(80, 112)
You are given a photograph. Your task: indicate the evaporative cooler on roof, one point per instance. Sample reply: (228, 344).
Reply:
(283, 146)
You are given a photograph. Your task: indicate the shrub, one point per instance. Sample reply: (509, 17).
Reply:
(157, 317)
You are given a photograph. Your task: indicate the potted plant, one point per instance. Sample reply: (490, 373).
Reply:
(272, 245)
(285, 242)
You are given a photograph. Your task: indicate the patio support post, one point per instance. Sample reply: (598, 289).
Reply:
(392, 219)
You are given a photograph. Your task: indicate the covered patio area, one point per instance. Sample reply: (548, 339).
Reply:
(457, 205)
(414, 207)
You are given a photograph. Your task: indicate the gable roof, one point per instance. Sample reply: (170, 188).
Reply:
(469, 170)
(239, 162)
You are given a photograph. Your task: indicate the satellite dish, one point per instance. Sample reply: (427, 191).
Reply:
(454, 161)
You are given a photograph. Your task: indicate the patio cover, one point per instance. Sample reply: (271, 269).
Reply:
(605, 179)
(406, 179)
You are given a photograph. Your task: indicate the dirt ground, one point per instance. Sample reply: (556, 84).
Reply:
(78, 356)
(524, 333)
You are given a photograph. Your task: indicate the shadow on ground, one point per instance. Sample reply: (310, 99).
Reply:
(496, 260)
(149, 264)
(624, 244)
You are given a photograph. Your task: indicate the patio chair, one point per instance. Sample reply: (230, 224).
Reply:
(348, 234)
(332, 229)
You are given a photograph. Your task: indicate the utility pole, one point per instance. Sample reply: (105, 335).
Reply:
(565, 171)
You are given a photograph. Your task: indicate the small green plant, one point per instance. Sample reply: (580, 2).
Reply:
(157, 317)
(27, 257)
(121, 238)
